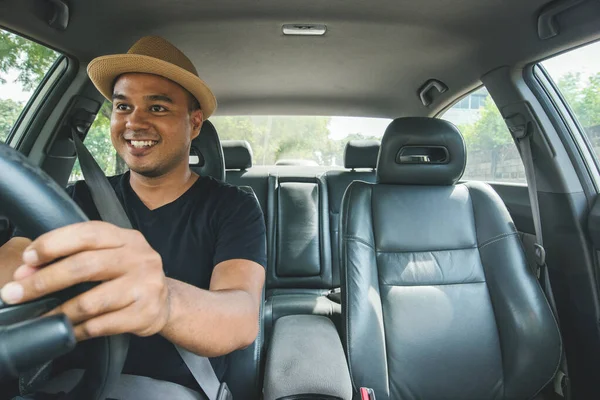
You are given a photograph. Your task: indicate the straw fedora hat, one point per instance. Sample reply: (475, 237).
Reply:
(152, 55)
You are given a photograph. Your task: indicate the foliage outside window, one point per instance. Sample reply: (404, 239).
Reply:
(491, 152)
(577, 75)
(23, 64)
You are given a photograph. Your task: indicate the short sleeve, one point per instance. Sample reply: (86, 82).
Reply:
(241, 231)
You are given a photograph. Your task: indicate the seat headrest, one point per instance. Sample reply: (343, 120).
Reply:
(206, 154)
(421, 151)
(361, 154)
(238, 154)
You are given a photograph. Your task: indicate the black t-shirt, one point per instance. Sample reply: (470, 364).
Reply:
(210, 223)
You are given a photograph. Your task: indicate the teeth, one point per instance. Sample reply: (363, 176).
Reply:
(142, 143)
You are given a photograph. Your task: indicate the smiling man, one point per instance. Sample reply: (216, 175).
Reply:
(192, 271)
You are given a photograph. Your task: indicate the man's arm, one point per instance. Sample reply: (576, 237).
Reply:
(226, 317)
(11, 257)
(134, 295)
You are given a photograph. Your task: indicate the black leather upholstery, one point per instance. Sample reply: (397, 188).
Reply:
(238, 154)
(437, 298)
(207, 147)
(337, 183)
(361, 154)
(421, 137)
(299, 232)
(299, 274)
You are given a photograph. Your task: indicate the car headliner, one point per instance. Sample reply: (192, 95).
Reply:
(374, 57)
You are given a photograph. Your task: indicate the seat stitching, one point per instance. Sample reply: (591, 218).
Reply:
(425, 251)
(497, 239)
(360, 240)
(431, 284)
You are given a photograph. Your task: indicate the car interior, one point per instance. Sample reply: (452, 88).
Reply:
(395, 272)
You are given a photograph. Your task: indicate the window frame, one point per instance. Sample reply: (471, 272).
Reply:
(556, 107)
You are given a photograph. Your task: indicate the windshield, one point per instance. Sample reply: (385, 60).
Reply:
(314, 140)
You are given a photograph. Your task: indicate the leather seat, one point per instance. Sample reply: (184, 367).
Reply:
(243, 374)
(360, 160)
(437, 298)
(206, 153)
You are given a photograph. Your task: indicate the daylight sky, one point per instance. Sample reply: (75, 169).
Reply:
(585, 60)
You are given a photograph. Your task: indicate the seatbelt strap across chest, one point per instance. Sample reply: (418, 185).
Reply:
(110, 210)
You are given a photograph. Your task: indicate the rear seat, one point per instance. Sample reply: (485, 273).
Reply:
(238, 161)
(301, 207)
(360, 157)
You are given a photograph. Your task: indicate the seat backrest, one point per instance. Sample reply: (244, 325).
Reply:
(206, 154)
(299, 227)
(437, 298)
(360, 157)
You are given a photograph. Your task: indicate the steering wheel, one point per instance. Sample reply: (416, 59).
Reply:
(36, 204)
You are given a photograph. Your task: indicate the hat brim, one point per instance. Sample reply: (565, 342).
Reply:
(103, 71)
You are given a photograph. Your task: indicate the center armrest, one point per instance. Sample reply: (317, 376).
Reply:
(306, 357)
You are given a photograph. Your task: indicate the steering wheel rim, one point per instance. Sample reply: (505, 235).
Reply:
(37, 204)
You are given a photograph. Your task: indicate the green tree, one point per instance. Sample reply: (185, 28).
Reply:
(275, 138)
(489, 131)
(584, 99)
(9, 112)
(488, 143)
(31, 60)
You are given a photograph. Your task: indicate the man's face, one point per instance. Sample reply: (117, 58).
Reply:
(152, 125)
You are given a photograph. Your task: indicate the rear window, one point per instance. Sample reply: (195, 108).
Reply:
(313, 139)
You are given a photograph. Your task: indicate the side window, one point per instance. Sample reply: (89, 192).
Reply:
(23, 65)
(100, 146)
(577, 76)
(492, 155)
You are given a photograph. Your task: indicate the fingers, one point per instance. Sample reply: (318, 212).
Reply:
(71, 239)
(106, 298)
(132, 319)
(82, 267)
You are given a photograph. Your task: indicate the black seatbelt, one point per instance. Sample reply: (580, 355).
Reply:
(110, 210)
(523, 137)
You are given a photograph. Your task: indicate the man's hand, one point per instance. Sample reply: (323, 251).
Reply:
(133, 296)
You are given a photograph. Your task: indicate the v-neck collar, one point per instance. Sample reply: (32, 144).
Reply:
(166, 206)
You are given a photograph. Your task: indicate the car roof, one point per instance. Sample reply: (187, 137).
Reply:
(371, 62)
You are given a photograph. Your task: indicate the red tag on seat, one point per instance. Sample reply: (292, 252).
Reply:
(367, 394)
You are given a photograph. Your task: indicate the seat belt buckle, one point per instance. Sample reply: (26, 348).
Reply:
(224, 393)
(367, 394)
